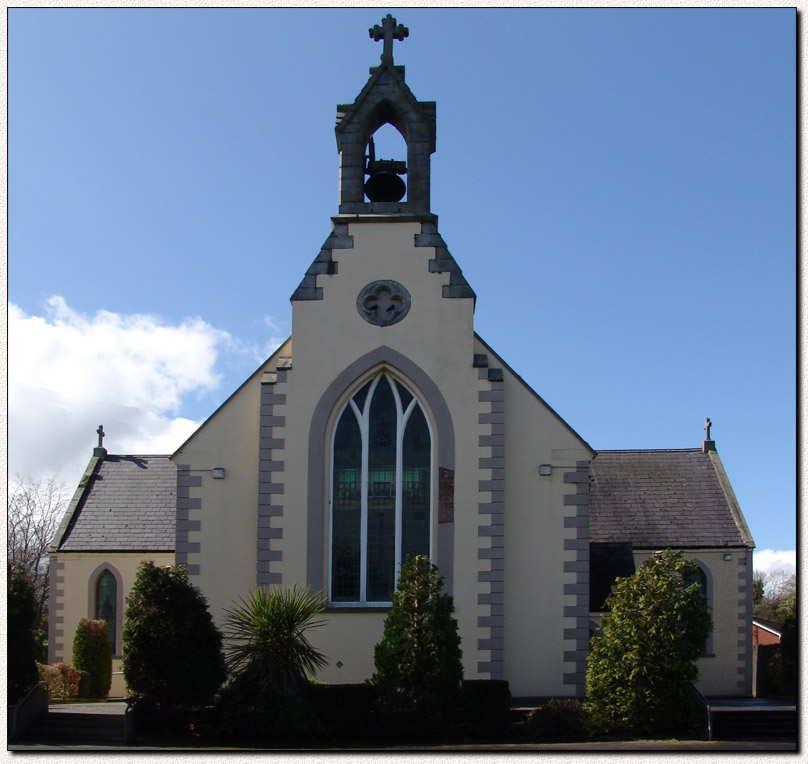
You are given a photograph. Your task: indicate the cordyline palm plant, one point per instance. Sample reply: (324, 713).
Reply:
(268, 646)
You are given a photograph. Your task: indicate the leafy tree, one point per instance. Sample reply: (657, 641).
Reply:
(35, 508)
(775, 595)
(418, 662)
(22, 648)
(172, 650)
(642, 667)
(269, 648)
(92, 653)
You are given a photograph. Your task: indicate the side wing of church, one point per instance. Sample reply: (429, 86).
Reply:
(386, 427)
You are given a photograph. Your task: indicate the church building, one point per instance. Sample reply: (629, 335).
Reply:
(386, 427)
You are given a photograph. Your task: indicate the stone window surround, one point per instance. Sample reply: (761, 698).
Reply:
(708, 595)
(402, 421)
(382, 358)
(91, 603)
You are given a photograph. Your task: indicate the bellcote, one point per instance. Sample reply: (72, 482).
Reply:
(374, 185)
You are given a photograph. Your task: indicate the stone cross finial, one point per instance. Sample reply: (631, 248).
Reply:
(101, 435)
(388, 31)
(707, 425)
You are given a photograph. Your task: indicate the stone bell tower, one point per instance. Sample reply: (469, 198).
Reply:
(385, 99)
(376, 190)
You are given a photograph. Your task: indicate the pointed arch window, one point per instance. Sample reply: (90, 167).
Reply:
(106, 603)
(381, 491)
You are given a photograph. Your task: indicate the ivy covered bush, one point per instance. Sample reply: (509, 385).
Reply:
(172, 650)
(92, 653)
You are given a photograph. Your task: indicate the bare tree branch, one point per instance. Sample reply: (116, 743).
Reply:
(35, 509)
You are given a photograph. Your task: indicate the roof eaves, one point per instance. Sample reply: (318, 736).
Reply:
(763, 626)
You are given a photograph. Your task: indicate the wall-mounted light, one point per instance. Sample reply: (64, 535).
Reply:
(727, 556)
(545, 469)
(218, 473)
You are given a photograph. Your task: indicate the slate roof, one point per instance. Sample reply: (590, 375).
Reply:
(128, 504)
(664, 498)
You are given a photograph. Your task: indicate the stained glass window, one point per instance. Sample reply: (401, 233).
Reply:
(380, 492)
(106, 595)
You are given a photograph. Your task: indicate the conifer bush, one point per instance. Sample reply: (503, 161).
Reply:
(418, 661)
(172, 650)
(642, 668)
(92, 653)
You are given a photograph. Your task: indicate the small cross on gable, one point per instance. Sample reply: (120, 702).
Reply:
(101, 435)
(388, 31)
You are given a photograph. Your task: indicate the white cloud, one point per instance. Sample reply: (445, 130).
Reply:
(771, 559)
(70, 372)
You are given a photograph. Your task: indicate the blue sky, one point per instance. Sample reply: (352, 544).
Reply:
(618, 185)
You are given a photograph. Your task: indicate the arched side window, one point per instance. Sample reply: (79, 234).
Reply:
(106, 603)
(381, 491)
(705, 581)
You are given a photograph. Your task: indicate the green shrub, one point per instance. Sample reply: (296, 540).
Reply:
(319, 713)
(92, 653)
(21, 646)
(559, 719)
(172, 652)
(485, 706)
(642, 668)
(418, 661)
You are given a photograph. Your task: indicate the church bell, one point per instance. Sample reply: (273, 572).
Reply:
(384, 183)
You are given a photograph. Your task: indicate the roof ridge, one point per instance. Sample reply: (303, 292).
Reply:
(138, 456)
(647, 450)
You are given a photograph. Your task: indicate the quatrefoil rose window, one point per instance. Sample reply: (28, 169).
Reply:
(383, 303)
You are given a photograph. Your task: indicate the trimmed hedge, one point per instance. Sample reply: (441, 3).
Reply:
(84, 684)
(485, 706)
(344, 710)
(92, 653)
(559, 719)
